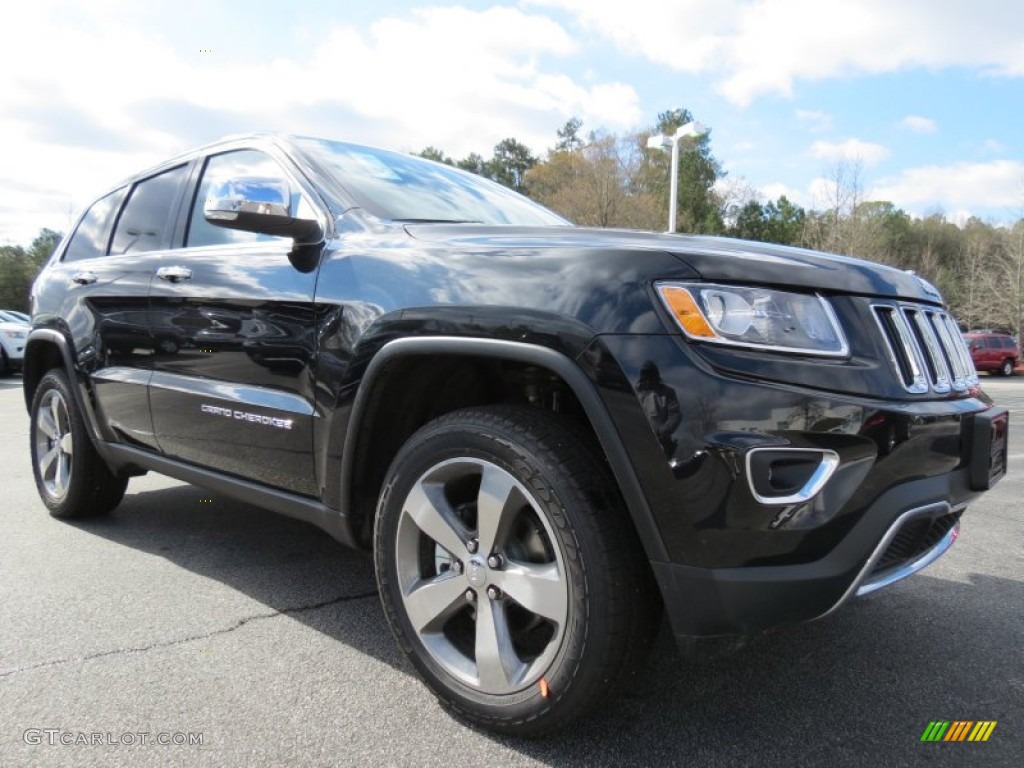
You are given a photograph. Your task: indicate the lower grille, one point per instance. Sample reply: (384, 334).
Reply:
(914, 538)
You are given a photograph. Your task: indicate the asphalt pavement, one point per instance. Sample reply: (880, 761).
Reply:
(245, 638)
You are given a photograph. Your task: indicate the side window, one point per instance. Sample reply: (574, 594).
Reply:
(246, 162)
(90, 239)
(1008, 343)
(145, 218)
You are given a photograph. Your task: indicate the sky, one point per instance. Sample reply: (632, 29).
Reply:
(925, 96)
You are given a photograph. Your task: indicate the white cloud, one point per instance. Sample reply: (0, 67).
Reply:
(775, 191)
(112, 76)
(919, 124)
(851, 149)
(448, 76)
(753, 48)
(998, 185)
(818, 121)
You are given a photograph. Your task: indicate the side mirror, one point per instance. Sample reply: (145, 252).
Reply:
(258, 204)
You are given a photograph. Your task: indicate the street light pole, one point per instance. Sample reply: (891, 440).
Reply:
(673, 194)
(691, 130)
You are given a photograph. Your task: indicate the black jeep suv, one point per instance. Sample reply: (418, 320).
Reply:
(547, 434)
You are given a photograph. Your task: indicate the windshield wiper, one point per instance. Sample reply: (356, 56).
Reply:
(438, 221)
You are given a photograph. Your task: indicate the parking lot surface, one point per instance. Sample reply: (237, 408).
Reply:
(186, 616)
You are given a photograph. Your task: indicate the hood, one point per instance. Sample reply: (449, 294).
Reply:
(713, 258)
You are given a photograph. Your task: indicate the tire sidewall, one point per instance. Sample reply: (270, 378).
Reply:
(454, 440)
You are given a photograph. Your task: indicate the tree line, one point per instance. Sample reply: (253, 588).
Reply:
(613, 180)
(19, 267)
(603, 179)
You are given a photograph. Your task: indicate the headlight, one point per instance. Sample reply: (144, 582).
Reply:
(16, 334)
(755, 317)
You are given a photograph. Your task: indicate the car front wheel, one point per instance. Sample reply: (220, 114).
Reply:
(72, 479)
(508, 569)
(1007, 368)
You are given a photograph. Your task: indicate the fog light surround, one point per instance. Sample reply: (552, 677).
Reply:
(785, 476)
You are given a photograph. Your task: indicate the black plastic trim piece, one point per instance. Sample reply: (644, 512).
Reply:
(300, 507)
(988, 425)
(79, 386)
(544, 357)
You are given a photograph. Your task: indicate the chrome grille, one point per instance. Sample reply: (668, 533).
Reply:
(925, 348)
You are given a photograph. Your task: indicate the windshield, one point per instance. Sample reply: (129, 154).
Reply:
(408, 188)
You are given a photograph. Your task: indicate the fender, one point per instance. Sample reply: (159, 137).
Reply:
(78, 380)
(565, 367)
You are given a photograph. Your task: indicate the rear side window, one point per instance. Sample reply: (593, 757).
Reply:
(146, 216)
(90, 239)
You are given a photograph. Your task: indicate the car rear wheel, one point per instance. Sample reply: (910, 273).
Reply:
(508, 569)
(1007, 367)
(72, 479)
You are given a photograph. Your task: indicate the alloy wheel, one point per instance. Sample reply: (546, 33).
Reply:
(53, 443)
(481, 575)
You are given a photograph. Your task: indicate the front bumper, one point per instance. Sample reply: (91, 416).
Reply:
(738, 562)
(895, 538)
(15, 354)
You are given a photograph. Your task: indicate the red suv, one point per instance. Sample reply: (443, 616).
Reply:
(993, 352)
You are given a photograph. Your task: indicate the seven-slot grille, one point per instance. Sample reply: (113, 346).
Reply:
(926, 348)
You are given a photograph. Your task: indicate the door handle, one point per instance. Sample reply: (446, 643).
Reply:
(84, 277)
(174, 274)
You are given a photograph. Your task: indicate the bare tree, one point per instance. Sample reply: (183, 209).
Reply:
(593, 185)
(833, 227)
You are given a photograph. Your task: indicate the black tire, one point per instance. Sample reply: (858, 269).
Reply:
(166, 345)
(1006, 369)
(72, 479)
(5, 363)
(560, 515)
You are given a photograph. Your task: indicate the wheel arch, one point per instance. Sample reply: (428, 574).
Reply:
(45, 348)
(48, 348)
(367, 409)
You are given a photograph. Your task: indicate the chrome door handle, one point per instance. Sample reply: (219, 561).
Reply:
(84, 278)
(174, 274)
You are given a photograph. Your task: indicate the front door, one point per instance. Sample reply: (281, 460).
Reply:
(237, 396)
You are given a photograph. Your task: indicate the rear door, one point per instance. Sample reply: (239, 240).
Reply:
(993, 352)
(1010, 348)
(237, 396)
(101, 287)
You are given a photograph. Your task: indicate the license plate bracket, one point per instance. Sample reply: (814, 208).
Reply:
(989, 444)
